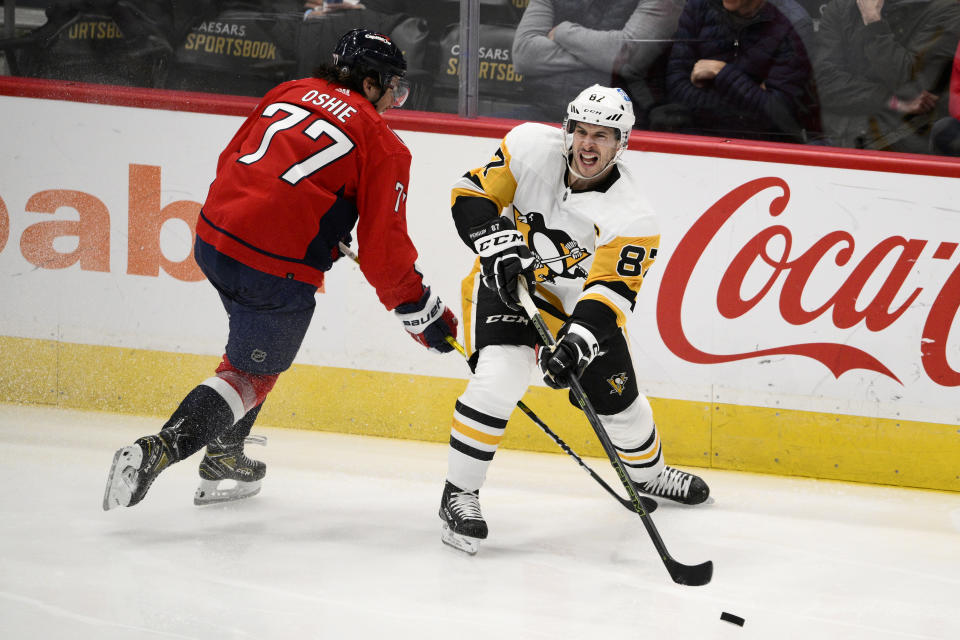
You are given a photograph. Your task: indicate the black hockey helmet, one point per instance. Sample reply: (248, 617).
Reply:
(364, 53)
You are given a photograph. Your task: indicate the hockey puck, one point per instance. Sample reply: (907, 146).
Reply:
(729, 617)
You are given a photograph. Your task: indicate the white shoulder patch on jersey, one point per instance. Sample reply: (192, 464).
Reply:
(535, 147)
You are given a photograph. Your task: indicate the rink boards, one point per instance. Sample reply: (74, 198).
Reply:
(799, 320)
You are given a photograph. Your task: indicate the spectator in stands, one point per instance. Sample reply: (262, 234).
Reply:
(945, 134)
(739, 68)
(802, 21)
(882, 68)
(257, 6)
(240, 47)
(322, 26)
(562, 46)
(107, 41)
(320, 8)
(144, 26)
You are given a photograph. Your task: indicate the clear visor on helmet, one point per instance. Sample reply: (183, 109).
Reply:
(401, 90)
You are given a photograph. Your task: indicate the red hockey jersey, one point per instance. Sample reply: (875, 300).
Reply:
(312, 160)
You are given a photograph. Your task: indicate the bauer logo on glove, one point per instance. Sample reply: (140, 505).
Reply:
(429, 321)
(427, 315)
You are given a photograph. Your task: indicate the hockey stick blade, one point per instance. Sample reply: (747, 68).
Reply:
(691, 575)
(695, 575)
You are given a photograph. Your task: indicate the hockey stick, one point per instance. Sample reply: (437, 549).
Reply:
(693, 575)
(649, 504)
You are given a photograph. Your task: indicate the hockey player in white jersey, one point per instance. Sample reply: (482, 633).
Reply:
(558, 207)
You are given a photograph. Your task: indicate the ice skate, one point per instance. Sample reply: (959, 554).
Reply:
(134, 469)
(226, 462)
(676, 485)
(463, 524)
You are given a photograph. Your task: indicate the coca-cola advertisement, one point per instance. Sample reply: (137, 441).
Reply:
(812, 288)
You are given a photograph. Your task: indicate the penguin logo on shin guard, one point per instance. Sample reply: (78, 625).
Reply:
(618, 382)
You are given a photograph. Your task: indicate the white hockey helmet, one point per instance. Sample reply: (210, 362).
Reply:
(604, 106)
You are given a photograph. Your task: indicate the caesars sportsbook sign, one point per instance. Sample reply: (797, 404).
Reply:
(776, 285)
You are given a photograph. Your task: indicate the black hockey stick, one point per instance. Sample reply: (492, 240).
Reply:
(693, 575)
(649, 504)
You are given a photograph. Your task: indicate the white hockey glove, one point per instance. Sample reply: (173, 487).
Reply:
(503, 256)
(429, 321)
(573, 352)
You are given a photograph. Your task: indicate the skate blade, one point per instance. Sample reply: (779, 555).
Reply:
(468, 545)
(121, 481)
(209, 492)
(260, 440)
(670, 502)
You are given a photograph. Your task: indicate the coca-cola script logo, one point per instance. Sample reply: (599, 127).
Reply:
(876, 314)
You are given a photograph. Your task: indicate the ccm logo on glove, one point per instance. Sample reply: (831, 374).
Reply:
(503, 257)
(489, 245)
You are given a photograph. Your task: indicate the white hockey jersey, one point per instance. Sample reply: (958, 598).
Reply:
(590, 245)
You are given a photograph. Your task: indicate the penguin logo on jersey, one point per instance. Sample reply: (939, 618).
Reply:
(618, 382)
(557, 254)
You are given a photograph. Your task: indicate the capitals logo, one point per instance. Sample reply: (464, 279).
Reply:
(618, 382)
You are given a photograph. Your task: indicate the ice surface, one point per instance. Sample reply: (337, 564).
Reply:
(344, 542)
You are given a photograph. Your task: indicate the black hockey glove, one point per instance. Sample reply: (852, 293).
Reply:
(335, 253)
(575, 350)
(429, 321)
(503, 256)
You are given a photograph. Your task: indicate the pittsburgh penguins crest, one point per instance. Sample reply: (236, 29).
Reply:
(618, 382)
(557, 254)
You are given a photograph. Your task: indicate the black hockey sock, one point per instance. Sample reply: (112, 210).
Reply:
(201, 416)
(241, 430)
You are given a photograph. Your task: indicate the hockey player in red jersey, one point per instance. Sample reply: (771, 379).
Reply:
(313, 161)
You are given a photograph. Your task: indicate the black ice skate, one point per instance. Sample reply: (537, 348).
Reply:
(227, 462)
(463, 524)
(676, 485)
(134, 469)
